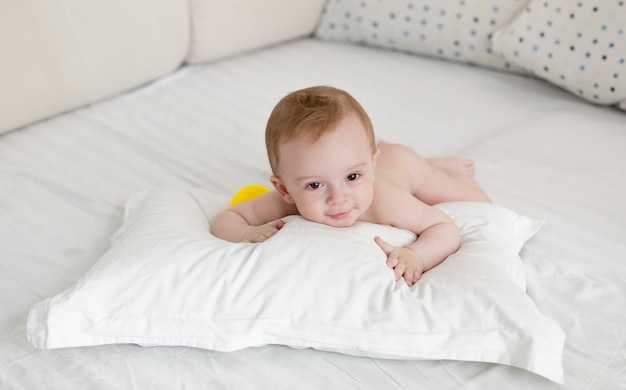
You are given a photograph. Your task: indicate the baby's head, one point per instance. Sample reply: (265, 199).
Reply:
(308, 114)
(323, 154)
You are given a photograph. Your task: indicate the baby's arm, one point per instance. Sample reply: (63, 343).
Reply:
(252, 221)
(232, 226)
(438, 237)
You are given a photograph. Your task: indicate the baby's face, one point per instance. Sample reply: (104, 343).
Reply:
(331, 181)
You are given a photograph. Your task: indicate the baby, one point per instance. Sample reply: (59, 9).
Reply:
(328, 168)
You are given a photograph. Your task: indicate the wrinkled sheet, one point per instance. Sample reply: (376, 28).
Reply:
(539, 151)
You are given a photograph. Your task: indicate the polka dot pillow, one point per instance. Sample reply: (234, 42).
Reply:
(457, 30)
(577, 45)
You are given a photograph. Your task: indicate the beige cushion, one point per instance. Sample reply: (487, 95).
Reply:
(58, 55)
(224, 28)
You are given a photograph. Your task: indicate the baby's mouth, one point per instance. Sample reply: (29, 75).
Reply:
(341, 215)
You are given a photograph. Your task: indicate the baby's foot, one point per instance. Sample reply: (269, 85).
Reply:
(454, 165)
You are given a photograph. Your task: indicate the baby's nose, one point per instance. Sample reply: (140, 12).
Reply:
(337, 195)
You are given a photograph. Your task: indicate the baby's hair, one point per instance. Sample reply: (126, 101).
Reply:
(311, 113)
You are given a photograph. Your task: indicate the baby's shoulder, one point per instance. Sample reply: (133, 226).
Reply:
(395, 152)
(390, 180)
(397, 158)
(391, 201)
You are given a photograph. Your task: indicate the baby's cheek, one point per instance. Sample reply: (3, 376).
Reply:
(309, 213)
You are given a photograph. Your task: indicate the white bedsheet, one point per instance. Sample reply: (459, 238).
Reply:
(539, 151)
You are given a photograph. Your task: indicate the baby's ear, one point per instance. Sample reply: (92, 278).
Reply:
(282, 189)
(375, 157)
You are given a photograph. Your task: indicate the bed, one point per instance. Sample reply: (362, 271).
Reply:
(69, 175)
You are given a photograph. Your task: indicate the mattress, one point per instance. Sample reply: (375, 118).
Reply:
(538, 150)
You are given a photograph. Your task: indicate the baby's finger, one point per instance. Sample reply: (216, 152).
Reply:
(409, 277)
(261, 234)
(416, 277)
(268, 232)
(392, 261)
(258, 237)
(399, 271)
(277, 224)
(386, 247)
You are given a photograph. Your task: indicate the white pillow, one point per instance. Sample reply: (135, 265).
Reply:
(450, 29)
(167, 281)
(577, 45)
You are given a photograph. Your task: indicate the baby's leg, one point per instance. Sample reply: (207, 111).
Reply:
(454, 165)
(450, 179)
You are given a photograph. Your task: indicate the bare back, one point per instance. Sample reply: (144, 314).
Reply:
(430, 180)
(401, 166)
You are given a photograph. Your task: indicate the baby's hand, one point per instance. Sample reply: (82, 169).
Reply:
(404, 261)
(262, 232)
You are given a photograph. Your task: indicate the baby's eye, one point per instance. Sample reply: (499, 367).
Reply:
(314, 186)
(353, 176)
